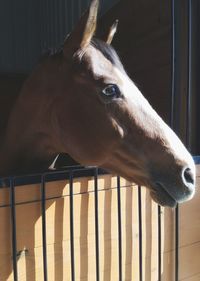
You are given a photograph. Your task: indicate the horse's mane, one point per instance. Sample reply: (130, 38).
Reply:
(51, 52)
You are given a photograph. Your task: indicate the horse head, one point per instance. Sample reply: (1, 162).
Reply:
(114, 126)
(99, 117)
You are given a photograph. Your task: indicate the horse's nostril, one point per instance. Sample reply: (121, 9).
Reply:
(188, 176)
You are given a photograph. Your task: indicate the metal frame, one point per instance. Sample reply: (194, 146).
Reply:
(70, 174)
(182, 118)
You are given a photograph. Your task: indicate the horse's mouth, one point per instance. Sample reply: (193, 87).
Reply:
(162, 197)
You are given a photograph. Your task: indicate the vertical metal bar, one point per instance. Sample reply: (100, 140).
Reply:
(44, 242)
(96, 222)
(14, 34)
(191, 128)
(56, 26)
(140, 232)
(48, 23)
(172, 118)
(159, 244)
(72, 14)
(119, 228)
(79, 8)
(66, 18)
(179, 67)
(172, 121)
(13, 221)
(177, 244)
(188, 127)
(72, 226)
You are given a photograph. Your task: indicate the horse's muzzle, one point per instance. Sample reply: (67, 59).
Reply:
(168, 193)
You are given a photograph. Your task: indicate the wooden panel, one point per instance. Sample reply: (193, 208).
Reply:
(29, 233)
(5, 242)
(190, 220)
(193, 278)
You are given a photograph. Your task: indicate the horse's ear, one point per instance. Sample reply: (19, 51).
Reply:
(83, 32)
(111, 33)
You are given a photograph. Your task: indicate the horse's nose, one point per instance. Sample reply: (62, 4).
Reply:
(188, 177)
(185, 185)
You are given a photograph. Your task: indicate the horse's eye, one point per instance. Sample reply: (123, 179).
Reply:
(111, 91)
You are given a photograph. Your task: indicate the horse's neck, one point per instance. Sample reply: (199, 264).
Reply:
(26, 157)
(6, 106)
(29, 127)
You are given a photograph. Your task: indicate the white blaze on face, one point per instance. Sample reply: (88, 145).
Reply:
(129, 89)
(171, 141)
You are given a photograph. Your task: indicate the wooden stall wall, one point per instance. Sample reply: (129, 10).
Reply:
(29, 233)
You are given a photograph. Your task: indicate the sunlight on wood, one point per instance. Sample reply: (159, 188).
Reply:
(29, 233)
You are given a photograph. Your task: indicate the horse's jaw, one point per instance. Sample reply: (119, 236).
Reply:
(166, 182)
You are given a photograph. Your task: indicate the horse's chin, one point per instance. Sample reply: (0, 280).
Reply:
(162, 197)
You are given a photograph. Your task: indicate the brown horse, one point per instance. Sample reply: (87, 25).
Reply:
(80, 101)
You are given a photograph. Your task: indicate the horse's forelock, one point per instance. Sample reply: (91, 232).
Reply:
(108, 51)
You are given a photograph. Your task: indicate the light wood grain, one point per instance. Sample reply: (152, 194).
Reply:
(29, 233)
